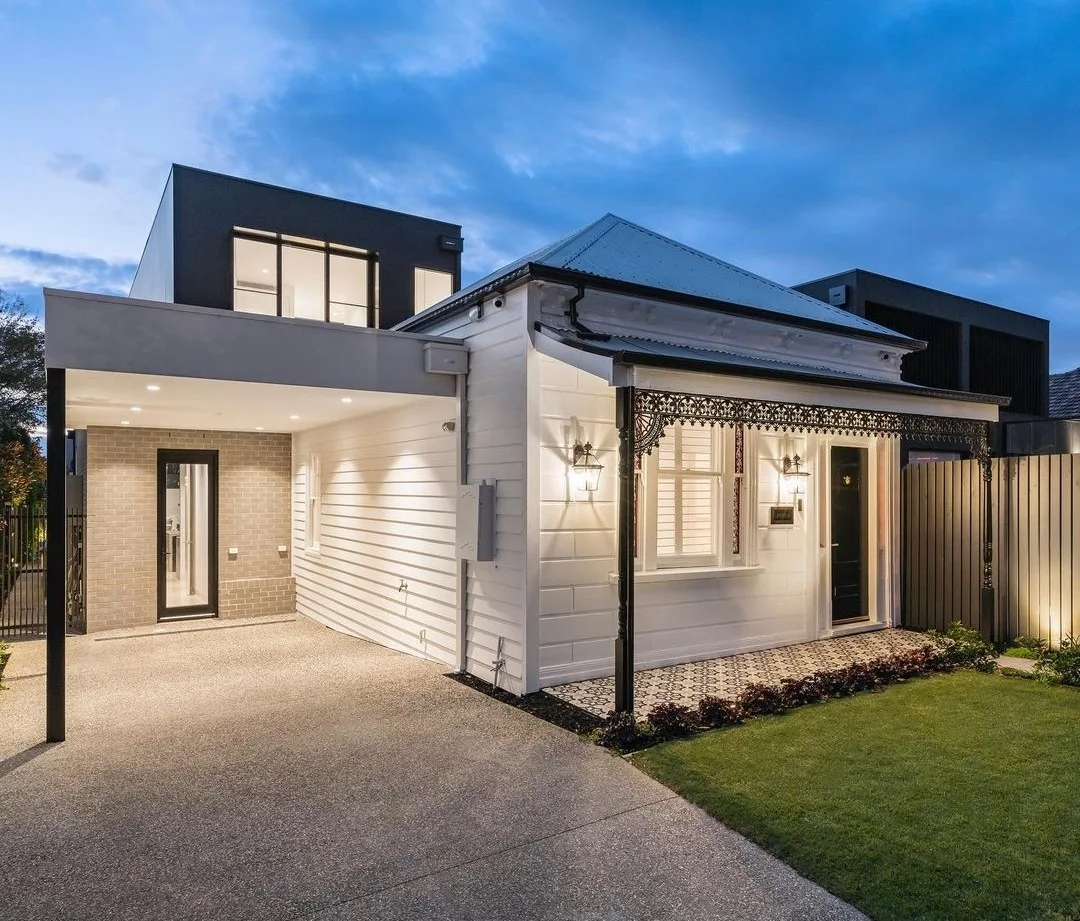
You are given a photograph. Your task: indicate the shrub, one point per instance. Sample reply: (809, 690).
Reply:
(962, 647)
(714, 712)
(672, 721)
(1032, 643)
(758, 699)
(1062, 665)
(621, 732)
(794, 692)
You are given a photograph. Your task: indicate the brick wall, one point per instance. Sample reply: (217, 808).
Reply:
(254, 481)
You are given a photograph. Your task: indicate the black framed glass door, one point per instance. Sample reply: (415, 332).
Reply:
(187, 529)
(848, 514)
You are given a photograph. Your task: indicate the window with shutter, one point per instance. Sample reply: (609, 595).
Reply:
(687, 497)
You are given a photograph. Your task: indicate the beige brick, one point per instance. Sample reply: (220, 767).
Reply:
(254, 497)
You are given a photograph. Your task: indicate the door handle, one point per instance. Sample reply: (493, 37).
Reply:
(836, 545)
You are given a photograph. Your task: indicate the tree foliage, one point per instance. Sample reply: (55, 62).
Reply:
(22, 401)
(22, 370)
(22, 471)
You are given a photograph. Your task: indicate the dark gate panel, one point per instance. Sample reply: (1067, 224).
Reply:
(941, 531)
(22, 573)
(1036, 552)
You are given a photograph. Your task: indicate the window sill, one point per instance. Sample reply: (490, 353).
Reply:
(312, 551)
(690, 573)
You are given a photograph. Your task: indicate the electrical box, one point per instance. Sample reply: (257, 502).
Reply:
(445, 359)
(476, 523)
(838, 296)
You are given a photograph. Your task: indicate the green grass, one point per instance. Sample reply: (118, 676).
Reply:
(956, 796)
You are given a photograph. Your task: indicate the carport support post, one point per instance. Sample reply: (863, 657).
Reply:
(624, 642)
(55, 552)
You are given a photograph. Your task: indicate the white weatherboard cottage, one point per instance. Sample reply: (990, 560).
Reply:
(758, 430)
(766, 466)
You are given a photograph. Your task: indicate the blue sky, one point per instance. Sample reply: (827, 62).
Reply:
(933, 140)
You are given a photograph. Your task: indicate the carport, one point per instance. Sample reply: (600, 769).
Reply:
(230, 470)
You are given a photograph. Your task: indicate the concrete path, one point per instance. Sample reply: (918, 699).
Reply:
(278, 770)
(1024, 665)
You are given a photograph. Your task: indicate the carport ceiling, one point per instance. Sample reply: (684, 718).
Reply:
(108, 398)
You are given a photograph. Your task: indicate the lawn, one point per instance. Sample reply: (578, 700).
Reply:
(956, 796)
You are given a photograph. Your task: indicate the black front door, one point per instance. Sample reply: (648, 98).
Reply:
(187, 529)
(848, 517)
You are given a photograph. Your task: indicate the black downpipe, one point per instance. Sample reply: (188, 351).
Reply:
(580, 328)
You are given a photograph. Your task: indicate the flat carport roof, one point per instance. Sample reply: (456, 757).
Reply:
(214, 369)
(93, 332)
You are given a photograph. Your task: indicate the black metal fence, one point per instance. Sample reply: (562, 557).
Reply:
(22, 572)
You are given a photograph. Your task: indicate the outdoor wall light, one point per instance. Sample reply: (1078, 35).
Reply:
(794, 477)
(586, 468)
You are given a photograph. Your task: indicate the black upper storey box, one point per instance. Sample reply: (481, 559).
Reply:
(233, 244)
(971, 345)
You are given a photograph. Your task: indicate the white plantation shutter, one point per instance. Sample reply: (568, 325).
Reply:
(687, 488)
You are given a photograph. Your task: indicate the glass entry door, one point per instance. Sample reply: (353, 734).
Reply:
(848, 512)
(187, 533)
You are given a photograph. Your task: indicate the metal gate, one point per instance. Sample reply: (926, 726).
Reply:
(22, 572)
(1035, 504)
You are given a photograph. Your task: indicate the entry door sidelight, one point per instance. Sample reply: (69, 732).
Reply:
(187, 533)
(848, 513)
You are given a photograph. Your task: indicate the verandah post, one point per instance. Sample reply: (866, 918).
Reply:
(624, 641)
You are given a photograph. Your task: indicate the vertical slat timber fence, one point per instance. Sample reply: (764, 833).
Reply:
(1035, 504)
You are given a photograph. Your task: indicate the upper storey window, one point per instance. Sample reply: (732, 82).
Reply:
(286, 276)
(429, 287)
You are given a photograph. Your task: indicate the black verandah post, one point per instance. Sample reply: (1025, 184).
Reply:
(624, 642)
(55, 553)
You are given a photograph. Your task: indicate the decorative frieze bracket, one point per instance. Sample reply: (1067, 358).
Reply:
(655, 410)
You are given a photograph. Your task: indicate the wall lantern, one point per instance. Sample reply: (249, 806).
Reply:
(586, 468)
(794, 477)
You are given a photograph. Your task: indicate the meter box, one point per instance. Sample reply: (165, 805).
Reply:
(476, 523)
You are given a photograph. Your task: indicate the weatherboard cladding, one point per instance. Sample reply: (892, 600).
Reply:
(618, 250)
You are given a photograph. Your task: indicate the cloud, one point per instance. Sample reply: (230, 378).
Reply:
(932, 140)
(79, 167)
(22, 269)
(128, 89)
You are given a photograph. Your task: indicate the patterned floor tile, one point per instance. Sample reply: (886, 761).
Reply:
(726, 677)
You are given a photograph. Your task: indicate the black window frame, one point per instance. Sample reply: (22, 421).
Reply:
(327, 249)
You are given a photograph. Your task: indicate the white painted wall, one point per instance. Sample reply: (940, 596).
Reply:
(679, 617)
(389, 488)
(496, 599)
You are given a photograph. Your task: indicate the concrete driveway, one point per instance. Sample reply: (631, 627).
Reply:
(278, 770)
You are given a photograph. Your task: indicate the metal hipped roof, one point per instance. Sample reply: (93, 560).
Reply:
(631, 350)
(617, 250)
